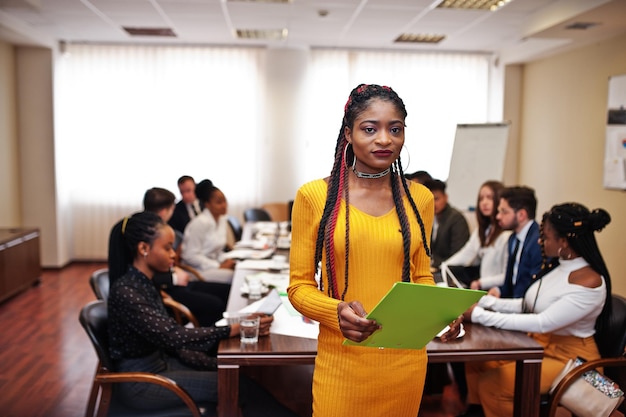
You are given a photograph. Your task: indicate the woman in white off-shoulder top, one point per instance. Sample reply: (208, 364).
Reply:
(567, 304)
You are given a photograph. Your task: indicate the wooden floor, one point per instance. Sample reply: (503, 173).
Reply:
(47, 362)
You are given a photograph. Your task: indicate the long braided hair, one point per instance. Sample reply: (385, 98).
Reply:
(577, 224)
(358, 102)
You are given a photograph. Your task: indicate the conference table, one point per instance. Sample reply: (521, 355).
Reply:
(478, 344)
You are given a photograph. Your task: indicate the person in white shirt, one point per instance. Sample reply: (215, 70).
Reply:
(565, 307)
(206, 236)
(482, 260)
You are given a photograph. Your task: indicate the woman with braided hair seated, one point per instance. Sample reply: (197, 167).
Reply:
(566, 305)
(144, 338)
(359, 231)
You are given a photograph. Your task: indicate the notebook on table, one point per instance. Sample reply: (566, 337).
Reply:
(411, 315)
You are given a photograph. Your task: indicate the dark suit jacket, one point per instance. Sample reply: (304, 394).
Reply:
(180, 218)
(452, 234)
(529, 264)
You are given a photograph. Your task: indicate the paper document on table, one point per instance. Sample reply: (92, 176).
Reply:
(248, 254)
(411, 315)
(290, 325)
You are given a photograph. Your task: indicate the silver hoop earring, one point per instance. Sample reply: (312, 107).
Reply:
(345, 156)
(558, 253)
(405, 168)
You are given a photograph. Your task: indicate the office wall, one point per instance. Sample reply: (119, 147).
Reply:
(10, 215)
(561, 150)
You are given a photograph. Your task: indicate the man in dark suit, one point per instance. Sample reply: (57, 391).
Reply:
(188, 207)
(516, 212)
(450, 230)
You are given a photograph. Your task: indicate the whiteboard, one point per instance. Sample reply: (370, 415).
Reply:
(477, 156)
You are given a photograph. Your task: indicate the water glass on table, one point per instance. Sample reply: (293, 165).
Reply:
(249, 329)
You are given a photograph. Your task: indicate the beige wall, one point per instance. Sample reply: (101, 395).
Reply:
(27, 174)
(9, 189)
(561, 153)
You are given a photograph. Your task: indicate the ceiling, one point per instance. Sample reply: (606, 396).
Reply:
(520, 31)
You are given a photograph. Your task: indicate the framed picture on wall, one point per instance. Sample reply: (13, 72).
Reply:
(615, 146)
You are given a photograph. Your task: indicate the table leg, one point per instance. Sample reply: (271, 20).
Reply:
(527, 384)
(228, 391)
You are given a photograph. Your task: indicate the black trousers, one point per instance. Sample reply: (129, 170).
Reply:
(206, 300)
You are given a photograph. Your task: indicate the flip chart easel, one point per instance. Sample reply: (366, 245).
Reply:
(477, 156)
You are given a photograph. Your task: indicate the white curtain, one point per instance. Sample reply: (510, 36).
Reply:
(133, 117)
(438, 90)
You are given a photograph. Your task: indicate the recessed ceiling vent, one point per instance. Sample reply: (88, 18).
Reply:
(167, 32)
(275, 34)
(581, 25)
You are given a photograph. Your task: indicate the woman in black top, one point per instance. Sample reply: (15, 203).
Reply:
(143, 337)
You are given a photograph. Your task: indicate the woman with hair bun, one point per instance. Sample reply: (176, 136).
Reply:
(564, 308)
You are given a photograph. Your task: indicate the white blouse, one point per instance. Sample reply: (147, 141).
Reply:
(204, 241)
(492, 259)
(554, 304)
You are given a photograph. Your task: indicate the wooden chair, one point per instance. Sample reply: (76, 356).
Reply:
(102, 399)
(612, 345)
(99, 282)
(278, 211)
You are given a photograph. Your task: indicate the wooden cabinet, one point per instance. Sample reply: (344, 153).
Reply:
(20, 265)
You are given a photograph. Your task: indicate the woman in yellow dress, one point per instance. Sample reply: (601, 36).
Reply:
(354, 234)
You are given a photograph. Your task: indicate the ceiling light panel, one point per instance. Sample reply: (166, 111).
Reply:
(473, 4)
(419, 38)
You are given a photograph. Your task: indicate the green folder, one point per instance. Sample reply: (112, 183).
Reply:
(411, 315)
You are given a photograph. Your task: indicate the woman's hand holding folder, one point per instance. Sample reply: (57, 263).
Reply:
(352, 322)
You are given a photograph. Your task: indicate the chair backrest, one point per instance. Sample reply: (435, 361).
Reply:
(99, 282)
(612, 341)
(278, 211)
(256, 215)
(94, 318)
(236, 228)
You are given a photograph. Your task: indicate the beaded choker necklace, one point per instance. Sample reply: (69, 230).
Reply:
(370, 176)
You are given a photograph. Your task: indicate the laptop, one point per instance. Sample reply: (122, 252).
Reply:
(450, 279)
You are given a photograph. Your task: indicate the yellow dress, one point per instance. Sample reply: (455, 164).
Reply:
(354, 380)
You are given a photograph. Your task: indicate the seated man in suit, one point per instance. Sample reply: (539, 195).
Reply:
(450, 229)
(207, 301)
(188, 207)
(516, 212)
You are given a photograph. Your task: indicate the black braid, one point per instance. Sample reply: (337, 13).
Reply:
(333, 188)
(404, 225)
(347, 241)
(405, 185)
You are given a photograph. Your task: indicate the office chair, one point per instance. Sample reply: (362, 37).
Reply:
(236, 228)
(99, 282)
(256, 215)
(102, 398)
